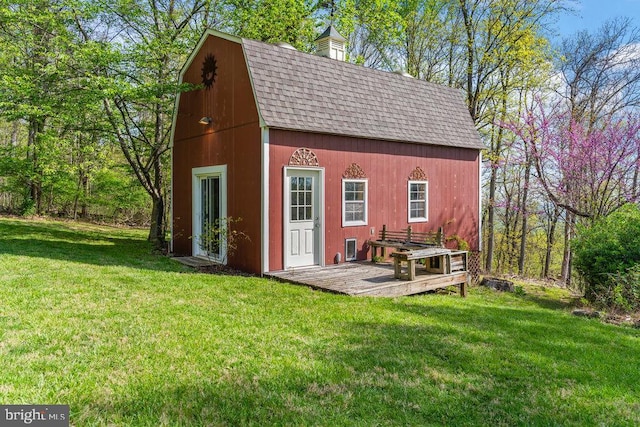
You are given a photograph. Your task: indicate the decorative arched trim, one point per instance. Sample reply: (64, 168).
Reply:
(417, 174)
(354, 171)
(303, 157)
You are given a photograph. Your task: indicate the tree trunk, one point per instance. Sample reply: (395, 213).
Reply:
(551, 239)
(566, 257)
(81, 190)
(490, 246)
(496, 147)
(84, 213)
(50, 204)
(469, 31)
(157, 228)
(507, 241)
(525, 216)
(15, 129)
(77, 197)
(34, 177)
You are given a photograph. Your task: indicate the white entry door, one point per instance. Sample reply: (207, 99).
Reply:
(302, 218)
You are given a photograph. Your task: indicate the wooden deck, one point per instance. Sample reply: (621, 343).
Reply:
(366, 278)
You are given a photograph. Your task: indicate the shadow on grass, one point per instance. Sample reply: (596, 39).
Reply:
(560, 299)
(59, 241)
(551, 303)
(422, 366)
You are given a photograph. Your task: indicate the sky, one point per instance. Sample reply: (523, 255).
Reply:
(591, 14)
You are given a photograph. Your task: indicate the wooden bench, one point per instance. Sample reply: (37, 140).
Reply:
(404, 240)
(437, 260)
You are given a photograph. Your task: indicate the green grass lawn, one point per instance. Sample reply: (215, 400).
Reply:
(90, 318)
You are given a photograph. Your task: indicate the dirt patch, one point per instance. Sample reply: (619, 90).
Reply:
(623, 319)
(223, 270)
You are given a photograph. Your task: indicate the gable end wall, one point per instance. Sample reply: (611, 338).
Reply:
(232, 139)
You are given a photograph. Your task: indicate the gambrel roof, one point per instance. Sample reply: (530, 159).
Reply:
(303, 92)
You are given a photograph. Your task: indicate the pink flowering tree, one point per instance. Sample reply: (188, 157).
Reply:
(587, 170)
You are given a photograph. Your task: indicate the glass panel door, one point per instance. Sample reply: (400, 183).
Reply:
(210, 216)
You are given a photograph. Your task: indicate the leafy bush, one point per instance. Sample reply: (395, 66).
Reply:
(462, 244)
(607, 257)
(625, 289)
(221, 238)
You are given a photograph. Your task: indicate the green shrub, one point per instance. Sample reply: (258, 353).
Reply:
(222, 233)
(607, 257)
(625, 289)
(462, 244)
(28, 207)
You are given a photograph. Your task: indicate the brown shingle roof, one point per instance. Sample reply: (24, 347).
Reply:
(299, 91)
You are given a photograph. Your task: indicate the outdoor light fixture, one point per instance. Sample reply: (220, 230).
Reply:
(205, 120)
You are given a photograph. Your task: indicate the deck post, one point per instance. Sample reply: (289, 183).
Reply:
(463, 287)
(411, 267)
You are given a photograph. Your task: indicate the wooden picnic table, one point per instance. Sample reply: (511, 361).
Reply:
(437, 261)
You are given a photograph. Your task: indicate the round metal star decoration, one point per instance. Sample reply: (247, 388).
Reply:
(209, 68)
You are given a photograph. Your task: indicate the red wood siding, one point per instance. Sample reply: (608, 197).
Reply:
(233, 139)
(452, 174)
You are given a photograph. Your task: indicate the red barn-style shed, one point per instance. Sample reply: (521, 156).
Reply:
(314, 154)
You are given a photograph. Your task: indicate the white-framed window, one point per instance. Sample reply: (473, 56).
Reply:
(418, 201)
(350, 250)
(354, 202)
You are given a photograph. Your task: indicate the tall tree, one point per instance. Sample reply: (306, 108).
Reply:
(372, 29)
(430, 40)
(589, 172)
(601, 71)
(601, 76)
(492, 30)
(272, 21)
(505, 57)
(138, 78)
(34, 77)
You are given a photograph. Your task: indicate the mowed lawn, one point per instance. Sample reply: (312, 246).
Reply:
(89, 317)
